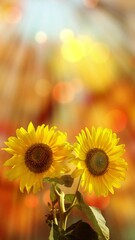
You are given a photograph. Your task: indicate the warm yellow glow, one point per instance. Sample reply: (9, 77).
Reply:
(95, 65)
(66, 34)
(97, 77)
(99, 52)
(97, 69)
(41, 37)
(73, 50)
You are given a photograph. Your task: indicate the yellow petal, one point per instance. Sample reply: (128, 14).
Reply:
(76, 173)
(14, 160)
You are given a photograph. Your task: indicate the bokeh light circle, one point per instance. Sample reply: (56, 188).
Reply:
(63, 92)
(116, 120)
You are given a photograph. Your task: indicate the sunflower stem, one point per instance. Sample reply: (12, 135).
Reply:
(78, 186)
(55, 217)
(68, 211)
(74, 200)
(61, 197)
(64, 214)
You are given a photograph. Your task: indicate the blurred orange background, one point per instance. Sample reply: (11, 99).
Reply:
(69, 64)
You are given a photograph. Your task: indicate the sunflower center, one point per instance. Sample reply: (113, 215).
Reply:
(38, 158)
(97, 161)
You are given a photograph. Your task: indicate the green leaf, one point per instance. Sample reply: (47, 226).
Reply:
(77, 231)
(71, 228)
(70, 237)
(82, 230)
(69, 198)
(53, 195)
(98, 222)
(65, 180)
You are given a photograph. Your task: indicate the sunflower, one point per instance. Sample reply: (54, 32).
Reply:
(37, 154)
(98, 159)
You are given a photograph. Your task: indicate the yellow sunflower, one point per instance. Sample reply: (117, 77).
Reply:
(37, 153)
(98, 159)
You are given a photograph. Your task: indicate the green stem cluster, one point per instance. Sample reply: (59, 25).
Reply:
(63, 212)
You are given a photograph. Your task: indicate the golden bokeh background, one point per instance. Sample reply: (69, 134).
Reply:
(70, 64)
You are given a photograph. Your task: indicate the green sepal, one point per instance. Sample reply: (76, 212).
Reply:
(97, 220)
(53, 195)
(65, 180)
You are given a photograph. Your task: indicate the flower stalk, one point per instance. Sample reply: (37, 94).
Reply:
(63, 212)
